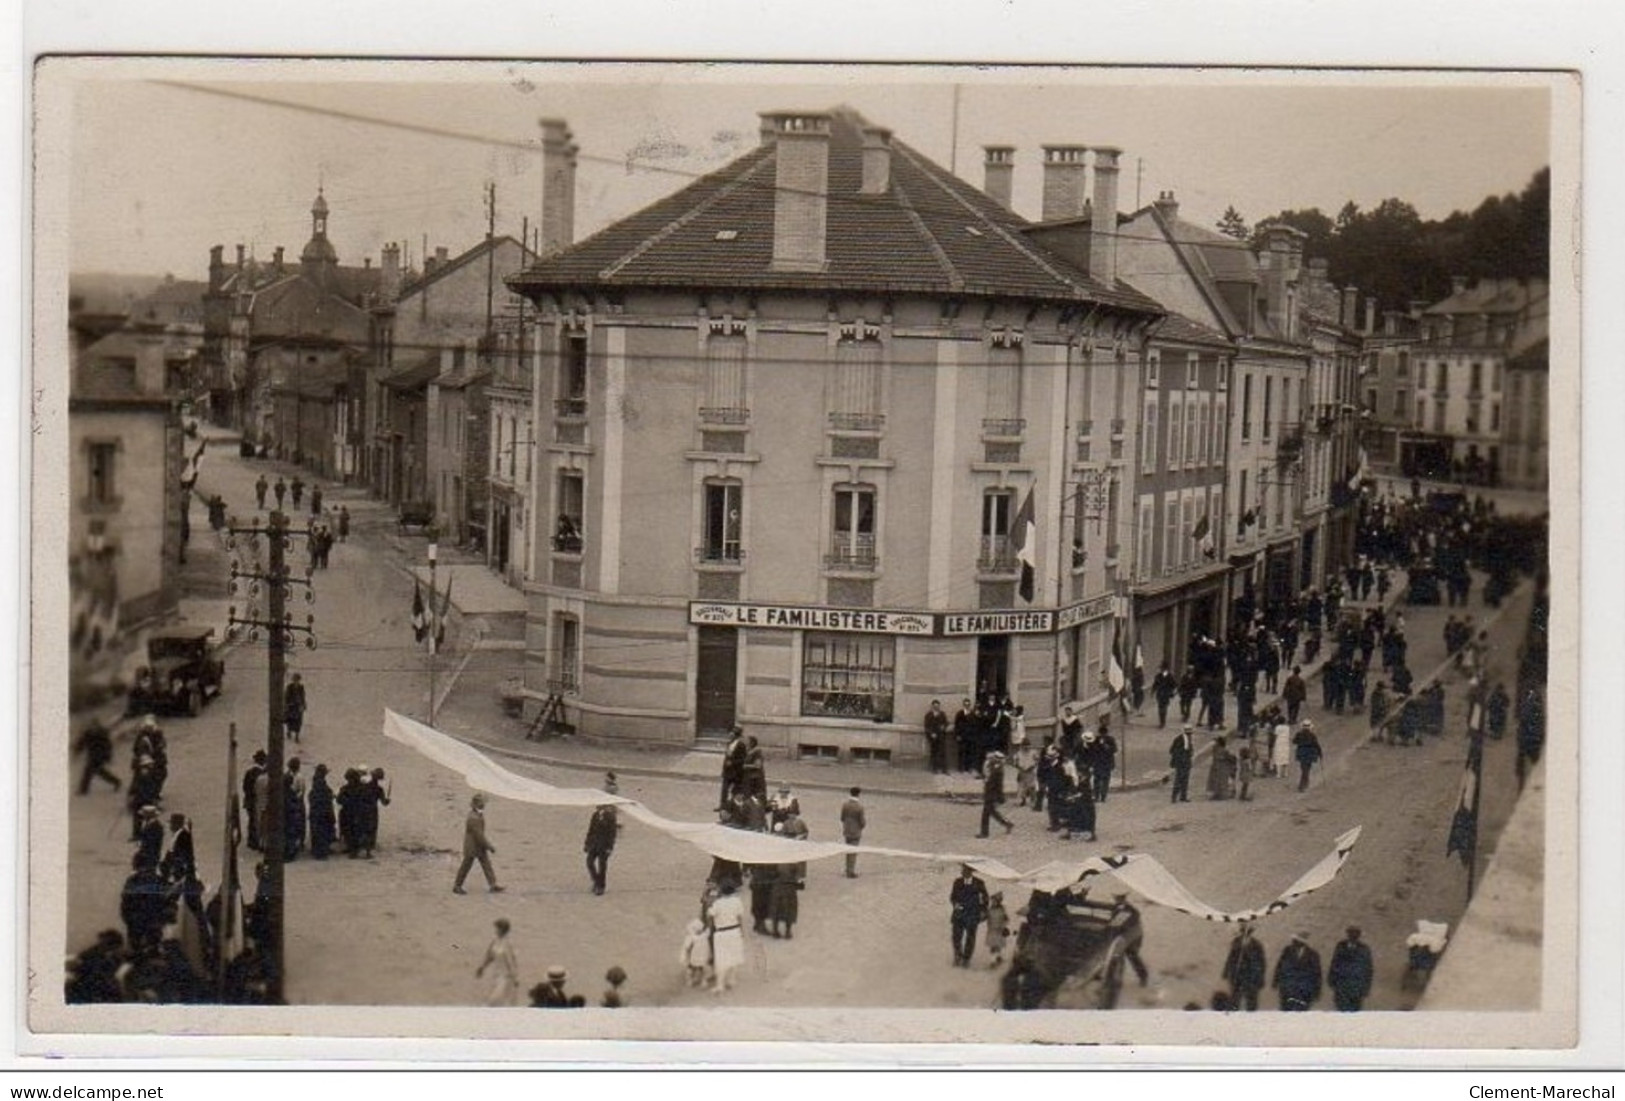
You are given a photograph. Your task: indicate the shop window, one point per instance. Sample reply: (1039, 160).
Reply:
(848, 675)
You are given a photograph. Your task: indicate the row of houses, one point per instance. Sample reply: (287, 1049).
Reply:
(830, 432)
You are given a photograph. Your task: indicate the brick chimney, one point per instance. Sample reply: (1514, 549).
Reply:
(1370, 314)
(276, 260)
(558, 186)
(1167, 205)
(217, 267)
(876, 160)
(1064, 178)
(240, 251)
(800, 188)
(1103, 220)
(999, 173)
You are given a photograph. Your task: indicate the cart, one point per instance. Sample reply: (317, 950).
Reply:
(1069, 943)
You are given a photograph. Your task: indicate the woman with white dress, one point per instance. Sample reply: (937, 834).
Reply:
(727, 937)
(504, 965)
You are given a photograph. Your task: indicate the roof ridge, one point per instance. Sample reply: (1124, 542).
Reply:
(955, 279)
(683, 219)
(1015, 241)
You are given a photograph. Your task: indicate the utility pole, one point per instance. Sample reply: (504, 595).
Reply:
(434, 625)
(279, 628)
(490, 253)
(228, 864)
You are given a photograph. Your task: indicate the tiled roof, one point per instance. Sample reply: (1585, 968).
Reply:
(1492, 296)
(930, 233)
(419, 373)
(418, 281)
(1183, 330)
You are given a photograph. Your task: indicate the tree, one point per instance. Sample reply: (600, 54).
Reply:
(1232, 224)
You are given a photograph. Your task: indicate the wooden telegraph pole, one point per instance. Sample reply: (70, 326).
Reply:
(280, 630)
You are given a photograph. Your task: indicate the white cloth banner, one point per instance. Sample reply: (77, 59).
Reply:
(1137, 871)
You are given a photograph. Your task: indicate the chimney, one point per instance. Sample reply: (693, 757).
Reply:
(558, 186)
(1370, 314)
(1458, 283)
(239, 257)
(1167, 205)
(999, 173)
(1280, 259)
(440, 255)
(1064, 172)
(876, 160)
(1350, 312)
(217, 267)
(1103, 220)
(389, 282)
(1417, 305)
(1390, 322)
(800, 188)
(276, 260)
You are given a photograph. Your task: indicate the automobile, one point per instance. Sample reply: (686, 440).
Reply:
(181, 675)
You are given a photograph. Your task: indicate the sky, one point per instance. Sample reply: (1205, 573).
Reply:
(165, 160)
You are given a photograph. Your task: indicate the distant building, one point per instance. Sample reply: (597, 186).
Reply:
(281, 338)
(787, 423)
(124, 496)
(1460, 362)
(1524, 432)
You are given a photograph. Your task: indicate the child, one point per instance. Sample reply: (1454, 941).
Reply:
(696, 954)
(613, 998)
(998, 928)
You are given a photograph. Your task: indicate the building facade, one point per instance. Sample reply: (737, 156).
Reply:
(821, 438)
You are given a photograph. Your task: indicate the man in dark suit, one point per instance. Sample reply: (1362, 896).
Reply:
(936, 736)
(1245, 969)
(969, 900)
(733, 766)
(993, 792)
(601, 832)
(476, 847)
(293, 706)
(1181, 752)
(1297, 975)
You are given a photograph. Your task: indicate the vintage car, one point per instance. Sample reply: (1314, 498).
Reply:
(1072, 946)
(181, 675)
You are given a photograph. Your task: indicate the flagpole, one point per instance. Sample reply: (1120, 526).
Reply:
(434, 550)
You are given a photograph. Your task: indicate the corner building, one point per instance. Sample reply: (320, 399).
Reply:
(787, 422)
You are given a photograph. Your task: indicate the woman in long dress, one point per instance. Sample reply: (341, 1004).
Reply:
(727, 937)
(504, 965)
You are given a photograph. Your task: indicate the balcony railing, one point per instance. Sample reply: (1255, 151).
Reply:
(713, 414)
(851, 552)
(568, 542)
(998, 555)
(570, 407)
(723, 554)
(1117, 427)
(857, 422)
(1003, 426)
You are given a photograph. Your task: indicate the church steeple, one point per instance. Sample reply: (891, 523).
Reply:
(319, 257)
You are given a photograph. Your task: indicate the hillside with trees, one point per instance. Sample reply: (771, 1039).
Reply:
(1392, 252)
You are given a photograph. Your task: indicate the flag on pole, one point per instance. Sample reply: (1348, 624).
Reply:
(1025, 536)
(1359, 472)
(1464, 826)
(440, 619)
(420, 622)
(1115, 679)
(193, 462)
(1203, 534)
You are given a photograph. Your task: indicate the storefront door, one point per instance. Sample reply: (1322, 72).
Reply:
(992, 664)
(716, 682)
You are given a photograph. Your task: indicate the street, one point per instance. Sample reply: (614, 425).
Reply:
(389, 931)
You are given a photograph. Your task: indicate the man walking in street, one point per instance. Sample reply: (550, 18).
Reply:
(260, 487)
(936, 737)
(251, 777)
(1181, 753)
(1351, 972)
(281, 491)
(993, 792)
(96, 744)
(1306, 747)
(968, 898)
(601, 832)
(1163, 687)
(298, 488)
(476, 847)
(852, 825)
(1293, 692)
(1297, 975)
(293, 706)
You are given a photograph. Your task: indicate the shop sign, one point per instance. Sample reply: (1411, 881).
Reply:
(1082, 613)
(997, 623)
(789, 617)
